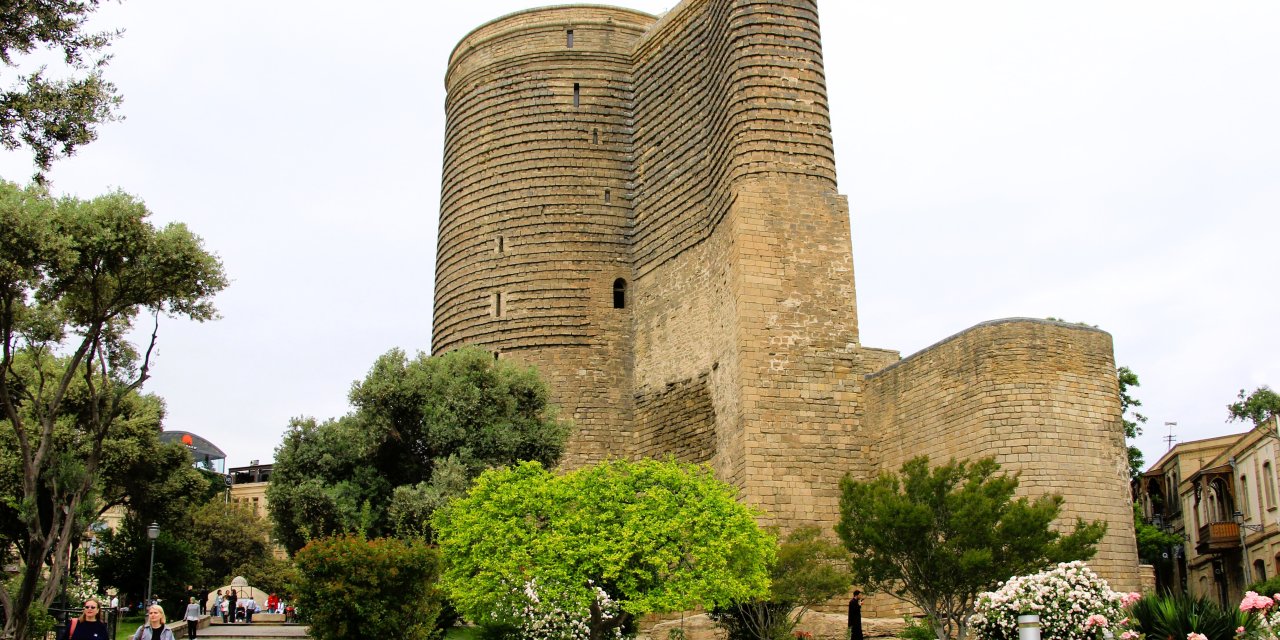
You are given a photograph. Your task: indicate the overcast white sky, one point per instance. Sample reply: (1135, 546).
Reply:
(1115, 163)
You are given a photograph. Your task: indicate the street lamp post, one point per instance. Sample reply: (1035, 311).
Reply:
(153, 532)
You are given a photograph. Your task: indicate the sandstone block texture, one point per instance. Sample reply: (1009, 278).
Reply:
(645, 208)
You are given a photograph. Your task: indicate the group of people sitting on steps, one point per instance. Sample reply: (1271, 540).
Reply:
(233, 608)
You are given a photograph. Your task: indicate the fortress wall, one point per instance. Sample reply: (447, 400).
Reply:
(685, 339)
(1040, 396)
(725, 90)
(730, 100)
(533, 217)
(800, 364)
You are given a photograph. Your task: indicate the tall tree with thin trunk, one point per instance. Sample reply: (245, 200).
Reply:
(74, 276)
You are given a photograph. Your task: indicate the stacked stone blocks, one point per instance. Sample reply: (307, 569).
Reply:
(688, 158)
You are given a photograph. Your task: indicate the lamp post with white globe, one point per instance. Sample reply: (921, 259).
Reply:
(153, 532)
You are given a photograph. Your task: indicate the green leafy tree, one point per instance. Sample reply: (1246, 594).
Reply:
(936, 538)
(654, 536)
(53, 116)
(74, 275)
(165, 490)
(272, 575)
(810, 570)
(125, 558)
(1130, 417)
(1153, 543)
(1257, 407)
(349, 587)
(225, 537)
(421, 429)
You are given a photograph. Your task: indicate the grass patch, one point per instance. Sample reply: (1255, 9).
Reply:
(126, 626)
(462, 633)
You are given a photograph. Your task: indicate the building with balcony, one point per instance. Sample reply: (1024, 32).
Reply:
(1220, 495)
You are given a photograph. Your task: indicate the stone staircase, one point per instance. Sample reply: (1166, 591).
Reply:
(263, 627)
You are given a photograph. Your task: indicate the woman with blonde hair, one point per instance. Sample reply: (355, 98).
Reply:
(153, 628)
(90, 625)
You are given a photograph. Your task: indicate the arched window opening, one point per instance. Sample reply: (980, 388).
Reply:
(1269, 477)
(619, 294)
(1244, 495)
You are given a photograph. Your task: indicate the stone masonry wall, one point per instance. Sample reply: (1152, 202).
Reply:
(725, 90)
(1041, 397)
(689, 159)
(534, 218)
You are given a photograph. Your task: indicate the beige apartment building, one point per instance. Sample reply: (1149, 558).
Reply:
(1220, 494)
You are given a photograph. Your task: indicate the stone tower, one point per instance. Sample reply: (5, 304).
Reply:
(645, 208)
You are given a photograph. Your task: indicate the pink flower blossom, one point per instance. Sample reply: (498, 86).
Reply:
(1096, 620)
(1130, 598)
(1197, 636)
(1129, 635)
(1254, 602)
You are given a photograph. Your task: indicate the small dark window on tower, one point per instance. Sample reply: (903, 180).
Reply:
(502, 245)
(577, 94)
(619, 294)
(568, 38)
(608, 195)
(595, 136)
(497, 309)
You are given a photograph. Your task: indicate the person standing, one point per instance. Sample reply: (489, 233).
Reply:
(192, 617)
(153, 628)
(231, 604)
(273, 603)
(250, 607)
(90, 625)
(855, 616)
(217, 605)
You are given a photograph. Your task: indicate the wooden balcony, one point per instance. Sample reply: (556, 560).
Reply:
(1218, 536)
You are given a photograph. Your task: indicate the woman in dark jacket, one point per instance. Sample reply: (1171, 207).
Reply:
(89, 626)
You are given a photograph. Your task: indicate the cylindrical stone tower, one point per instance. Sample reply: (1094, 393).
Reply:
(534, 249)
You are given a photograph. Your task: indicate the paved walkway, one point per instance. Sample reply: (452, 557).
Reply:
(251, 631)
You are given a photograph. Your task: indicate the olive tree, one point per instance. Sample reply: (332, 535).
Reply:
(938, 537)
(74, 277)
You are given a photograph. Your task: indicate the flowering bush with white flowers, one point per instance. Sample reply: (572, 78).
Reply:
(1072, 601)
(540, 616)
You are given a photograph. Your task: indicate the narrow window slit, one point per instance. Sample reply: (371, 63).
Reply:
(568, 39)
(619, 294)
(577, 94)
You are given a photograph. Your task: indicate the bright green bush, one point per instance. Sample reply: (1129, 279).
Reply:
(349, 587)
